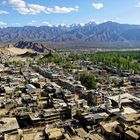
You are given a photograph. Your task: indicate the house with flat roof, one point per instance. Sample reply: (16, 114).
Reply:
(8, 125)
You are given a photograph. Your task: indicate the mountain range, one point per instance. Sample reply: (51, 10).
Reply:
(108, 32)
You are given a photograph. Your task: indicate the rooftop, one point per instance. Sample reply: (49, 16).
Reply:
(29, 135)
(132, 134)
(8, 124)
(127, 110)
(126, 97)
(95, 137)
(131, 117)
(109, 125)
(97, 115)
(54, 133)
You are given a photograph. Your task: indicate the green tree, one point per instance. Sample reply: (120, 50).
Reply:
(88, 80)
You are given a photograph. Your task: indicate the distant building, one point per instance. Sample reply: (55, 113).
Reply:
(95, 98)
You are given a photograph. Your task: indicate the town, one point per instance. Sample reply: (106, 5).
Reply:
(78, 99)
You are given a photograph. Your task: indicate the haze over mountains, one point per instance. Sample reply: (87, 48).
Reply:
(108, 32)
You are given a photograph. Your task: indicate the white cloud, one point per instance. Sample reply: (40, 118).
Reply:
(17, 23)
(46, 23)
(23, 8)
(3, 2)
(138, 5)
(105, 20)
(17, 3)
(32, 9)
(117, 18)
(97, 5)
(29, 23)
(2, 24)
(35, 8)
(3, 12)
(33, 21)
(58, 9)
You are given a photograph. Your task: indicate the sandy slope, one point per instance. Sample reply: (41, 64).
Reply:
(18, 51)
(13, 51)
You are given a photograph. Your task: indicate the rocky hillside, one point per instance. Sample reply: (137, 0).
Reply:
(24, 49)
(37, 47)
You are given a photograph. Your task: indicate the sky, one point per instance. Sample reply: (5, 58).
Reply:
(55, 12)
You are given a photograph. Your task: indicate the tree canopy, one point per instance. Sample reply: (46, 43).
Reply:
(88, 80)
